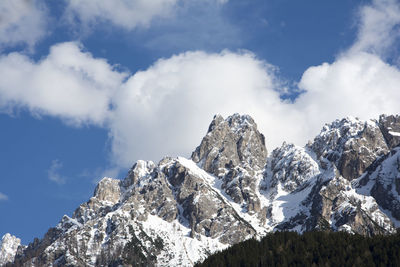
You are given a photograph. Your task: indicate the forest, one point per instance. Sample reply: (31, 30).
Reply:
(317, 248)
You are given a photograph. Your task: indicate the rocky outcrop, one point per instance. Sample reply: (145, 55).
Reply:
(291, 166)
(206, 211)
(235, 141)
(351, 144)
(234, 151)
(390, 127)
(8, 248)
(385, 182)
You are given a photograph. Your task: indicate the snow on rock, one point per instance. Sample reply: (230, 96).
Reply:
(291, 167)
(385, 180)
(8, 248)
(351, 144)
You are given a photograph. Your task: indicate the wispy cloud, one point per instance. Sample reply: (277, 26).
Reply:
(378, 27)
(127, 15)
(53, 172)
(3, 197)
(22, 22)
(99, 173)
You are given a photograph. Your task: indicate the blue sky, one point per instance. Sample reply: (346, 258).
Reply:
(87, 88)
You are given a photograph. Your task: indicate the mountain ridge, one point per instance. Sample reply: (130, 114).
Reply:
(179, 210)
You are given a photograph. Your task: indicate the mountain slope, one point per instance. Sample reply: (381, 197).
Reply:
(179, 211)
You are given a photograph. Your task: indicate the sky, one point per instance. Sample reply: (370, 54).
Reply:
(88, 87)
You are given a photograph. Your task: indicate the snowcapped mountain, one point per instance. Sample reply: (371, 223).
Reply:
(179, 211)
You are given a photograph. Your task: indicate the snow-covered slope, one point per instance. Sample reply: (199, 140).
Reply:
(179, 211)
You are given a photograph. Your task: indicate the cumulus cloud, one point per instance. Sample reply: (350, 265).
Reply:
(68, 83)
(125, 14)
(22, 22)
(360, 85)
(359, 82)
(3, 197)
(53, 172)
(166, 109)
(163, 110)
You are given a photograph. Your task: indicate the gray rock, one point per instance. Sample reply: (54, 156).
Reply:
(291, 166)
(234, 151)
(351, 144)
(229, 143)
(390, 127)
(386, 183)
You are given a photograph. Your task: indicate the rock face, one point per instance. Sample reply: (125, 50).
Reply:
(179, 211)
(351, 144)
(390, 127)
(234, 151)
(229, 143)
(8, 248)
(385, 183)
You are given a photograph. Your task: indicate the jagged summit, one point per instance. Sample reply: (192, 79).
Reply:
(231, 142)
(8, 248)
(351, 145)
(178, 211)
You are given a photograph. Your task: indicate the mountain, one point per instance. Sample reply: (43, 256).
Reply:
(179, 211)
(8, 248)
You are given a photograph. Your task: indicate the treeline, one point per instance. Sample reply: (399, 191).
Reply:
(311, 249)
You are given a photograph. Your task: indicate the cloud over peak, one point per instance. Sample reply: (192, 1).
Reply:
(166, 108)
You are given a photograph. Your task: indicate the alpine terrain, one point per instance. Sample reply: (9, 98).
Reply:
(179, 211)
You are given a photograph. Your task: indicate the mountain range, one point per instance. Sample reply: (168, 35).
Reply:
(179, 211)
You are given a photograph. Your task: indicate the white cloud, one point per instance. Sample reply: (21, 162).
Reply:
(378, 27)
(125, 14)
(53, 172)
(22, 22)
(3, 197)
(162, 110)
(67, 83)
(358, 84)
(165, 109)
(195, 25)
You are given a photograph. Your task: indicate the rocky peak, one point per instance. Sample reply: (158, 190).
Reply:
(234, 151)
(291, 166)
(8, 248)
(351, 144)
(105, 196)
(140, 169)
(108, 190)
(390, 127)
(231, 142)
